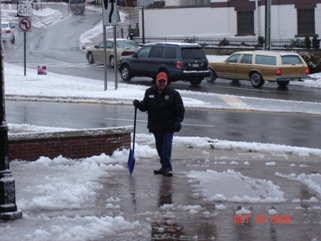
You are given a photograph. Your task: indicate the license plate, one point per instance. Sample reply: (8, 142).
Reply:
(195, 65)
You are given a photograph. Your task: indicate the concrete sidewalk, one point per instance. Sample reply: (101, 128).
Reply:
(162, 201)
(173, 208)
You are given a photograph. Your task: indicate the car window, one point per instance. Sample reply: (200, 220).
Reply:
(233, 58)
(4, 25)
(75, 1)
(291, 59)
(127, 45)
(193, 53)
(156, 52)
(170, 53)
(144, 52)
(267, 60)
(246, 59)
(109, 44)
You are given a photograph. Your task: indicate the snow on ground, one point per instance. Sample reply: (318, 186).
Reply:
(64, 184)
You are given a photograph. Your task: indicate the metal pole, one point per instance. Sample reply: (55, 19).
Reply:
(268, 25)
(105, 58)
(8, 207)
(115, 58)
(143, 25)
(258, 19)
(25, 53)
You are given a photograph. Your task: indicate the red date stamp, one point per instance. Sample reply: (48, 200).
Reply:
(263, 219)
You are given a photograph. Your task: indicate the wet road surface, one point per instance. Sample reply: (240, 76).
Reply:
(292, 129)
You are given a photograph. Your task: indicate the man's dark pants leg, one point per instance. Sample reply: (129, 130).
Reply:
(164, 142)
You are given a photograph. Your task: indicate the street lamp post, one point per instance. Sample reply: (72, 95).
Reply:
(8, 207)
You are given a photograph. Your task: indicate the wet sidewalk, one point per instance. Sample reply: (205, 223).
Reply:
(153, 207)
(176, 209)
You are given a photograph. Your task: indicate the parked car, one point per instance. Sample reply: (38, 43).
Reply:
(181, 61)
(7, 32)
(123, 47)
(260, 66)
(77, 6)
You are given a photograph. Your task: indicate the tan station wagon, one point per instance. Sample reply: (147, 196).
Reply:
(260, 66)
(123, 47)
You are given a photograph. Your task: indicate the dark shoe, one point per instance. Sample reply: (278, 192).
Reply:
(167, 173)
(159, 171)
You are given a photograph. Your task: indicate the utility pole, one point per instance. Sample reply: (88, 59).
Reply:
(267, 24)
(8, 207)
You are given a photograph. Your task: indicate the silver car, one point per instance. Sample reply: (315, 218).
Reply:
(76, 6)
(124, 47)
(7, 32)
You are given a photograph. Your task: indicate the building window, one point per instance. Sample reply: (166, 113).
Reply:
(245, 23)
(306, 23)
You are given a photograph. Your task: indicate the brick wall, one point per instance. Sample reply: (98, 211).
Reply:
(72, 144)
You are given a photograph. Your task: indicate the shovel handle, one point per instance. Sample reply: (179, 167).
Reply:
(134, 134)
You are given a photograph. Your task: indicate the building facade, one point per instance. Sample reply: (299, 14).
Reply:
(232, 18)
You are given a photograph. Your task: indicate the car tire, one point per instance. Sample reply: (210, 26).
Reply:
(213, 76)
(195, 81)
(90, 58)
(283, 83)
(125, 72)
(256, 80)
(112, 61)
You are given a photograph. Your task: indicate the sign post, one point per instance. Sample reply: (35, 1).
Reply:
(110, 18)
(24, 11)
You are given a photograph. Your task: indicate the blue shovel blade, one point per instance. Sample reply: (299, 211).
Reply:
(131, 162)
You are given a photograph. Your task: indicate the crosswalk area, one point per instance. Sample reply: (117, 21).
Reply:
(233, 101)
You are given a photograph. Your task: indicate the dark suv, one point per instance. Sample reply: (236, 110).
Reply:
(181, 61)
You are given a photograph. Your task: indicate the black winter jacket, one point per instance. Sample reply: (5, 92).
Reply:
(163, 109)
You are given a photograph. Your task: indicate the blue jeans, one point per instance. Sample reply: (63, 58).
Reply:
(164, 142)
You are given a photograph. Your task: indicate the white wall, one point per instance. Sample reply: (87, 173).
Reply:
(220, 22)
(185, 22)
(318, 22)
(216, 1)
(175, 3)
(285, 21)
(170, 3)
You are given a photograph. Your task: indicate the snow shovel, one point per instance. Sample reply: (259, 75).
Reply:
(131, 158)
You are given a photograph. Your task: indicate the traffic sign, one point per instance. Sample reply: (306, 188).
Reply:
(109, 12)
(24, 9)
(25, 24)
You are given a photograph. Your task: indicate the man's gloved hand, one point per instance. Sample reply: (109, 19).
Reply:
(177, 126)
(138, 104)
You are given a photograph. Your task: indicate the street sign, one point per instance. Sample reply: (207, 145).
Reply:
(24, 9)
(109, 12)
(25, 24)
